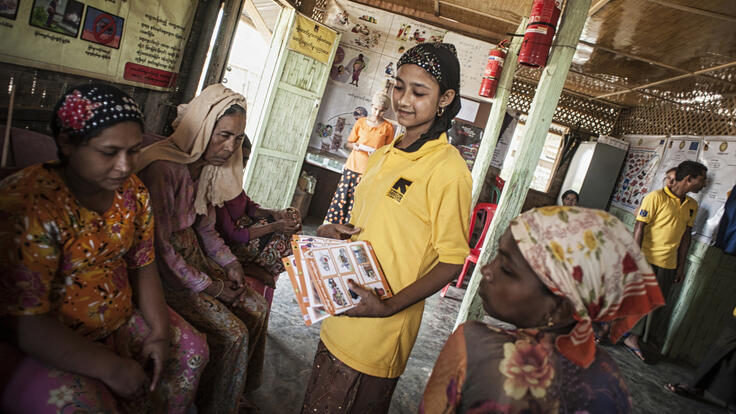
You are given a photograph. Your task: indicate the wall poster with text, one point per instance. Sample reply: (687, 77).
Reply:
(138, 43)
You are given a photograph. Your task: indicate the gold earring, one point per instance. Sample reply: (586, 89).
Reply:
(550, 320)
(440, 111)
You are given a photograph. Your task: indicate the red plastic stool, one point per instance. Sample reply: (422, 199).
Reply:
(487, 210)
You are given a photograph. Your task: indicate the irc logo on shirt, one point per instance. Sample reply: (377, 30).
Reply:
(643, 213)
(398, 190)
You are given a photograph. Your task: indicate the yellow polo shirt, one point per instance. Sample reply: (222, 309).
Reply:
(667, 219)
(414, 208)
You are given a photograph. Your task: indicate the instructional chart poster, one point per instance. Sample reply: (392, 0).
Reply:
(718, 153)
(365, 62)
(640, 165)
(133, 42)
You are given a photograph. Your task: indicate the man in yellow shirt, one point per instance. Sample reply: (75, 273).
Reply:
(663, 227)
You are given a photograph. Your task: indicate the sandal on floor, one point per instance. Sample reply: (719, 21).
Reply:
(684, 391)
(637, 353)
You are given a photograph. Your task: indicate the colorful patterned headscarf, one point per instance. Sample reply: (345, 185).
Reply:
(89, 107)
(589, 257)
(440, 61)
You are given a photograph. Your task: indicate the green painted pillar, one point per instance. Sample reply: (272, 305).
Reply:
(539, 119)
(498, 111)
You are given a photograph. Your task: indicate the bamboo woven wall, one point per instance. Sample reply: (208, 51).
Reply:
(594, 117)
(713, 118)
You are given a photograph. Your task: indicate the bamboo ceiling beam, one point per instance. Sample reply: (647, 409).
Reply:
(648, 85)
(597, 5)
(258, 22)
(652, 62)
(429, 18)
(592, 97)
(436, 7)
(478, 12)
(696, 10)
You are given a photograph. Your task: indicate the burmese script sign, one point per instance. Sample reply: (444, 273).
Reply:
(312, 39)
(133, 42)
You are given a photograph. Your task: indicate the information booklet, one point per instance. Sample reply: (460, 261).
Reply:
(320, 269)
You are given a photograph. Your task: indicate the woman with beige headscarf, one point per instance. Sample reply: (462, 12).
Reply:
(196, 169)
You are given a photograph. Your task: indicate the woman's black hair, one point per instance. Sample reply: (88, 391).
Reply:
(108, 106)
(568, 192)
(232, 110)
(445, 56)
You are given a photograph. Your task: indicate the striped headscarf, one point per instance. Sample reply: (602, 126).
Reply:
(590, 258)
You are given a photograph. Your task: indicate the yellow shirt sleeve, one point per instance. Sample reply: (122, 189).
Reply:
(648, 208)
(450, 207)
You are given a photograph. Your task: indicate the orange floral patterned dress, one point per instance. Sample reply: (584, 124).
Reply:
(69, 261)
(483, 369)
(61, 259)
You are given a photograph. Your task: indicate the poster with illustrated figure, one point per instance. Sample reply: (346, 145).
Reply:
(640, 165)
(406, 33)
(355, 67)
(718, 153)
(341, 108)
(365, 63)
(137, 43)
(361, 26)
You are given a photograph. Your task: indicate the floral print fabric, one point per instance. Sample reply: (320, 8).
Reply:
(589, 257)
(63, 259)
(483, 369)
(33, 387)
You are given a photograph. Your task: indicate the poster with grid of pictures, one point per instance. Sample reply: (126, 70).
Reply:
(333, 267)
(320, 270)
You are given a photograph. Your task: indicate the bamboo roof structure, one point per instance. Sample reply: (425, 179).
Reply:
(632, 53)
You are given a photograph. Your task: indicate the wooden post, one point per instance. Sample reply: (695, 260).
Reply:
(495, 119)
(231, 12)
(8, 127)
(539, 119)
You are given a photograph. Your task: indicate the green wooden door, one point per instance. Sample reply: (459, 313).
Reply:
(289, 109)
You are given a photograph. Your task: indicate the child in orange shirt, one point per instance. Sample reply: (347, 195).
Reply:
(368, 134)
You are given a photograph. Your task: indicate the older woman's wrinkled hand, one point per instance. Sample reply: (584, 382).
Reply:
(371, 305)
(288, 226)
(235, 274)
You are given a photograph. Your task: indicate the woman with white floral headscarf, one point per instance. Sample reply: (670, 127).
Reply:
(558, 269)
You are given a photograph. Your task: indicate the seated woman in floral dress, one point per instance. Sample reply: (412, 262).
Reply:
(257, 236)
(558, 269)
(87, 326)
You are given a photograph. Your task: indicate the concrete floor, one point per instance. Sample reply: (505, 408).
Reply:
(291, 346)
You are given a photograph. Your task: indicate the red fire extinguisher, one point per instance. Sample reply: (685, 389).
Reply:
(492, 73)
(539, 32)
